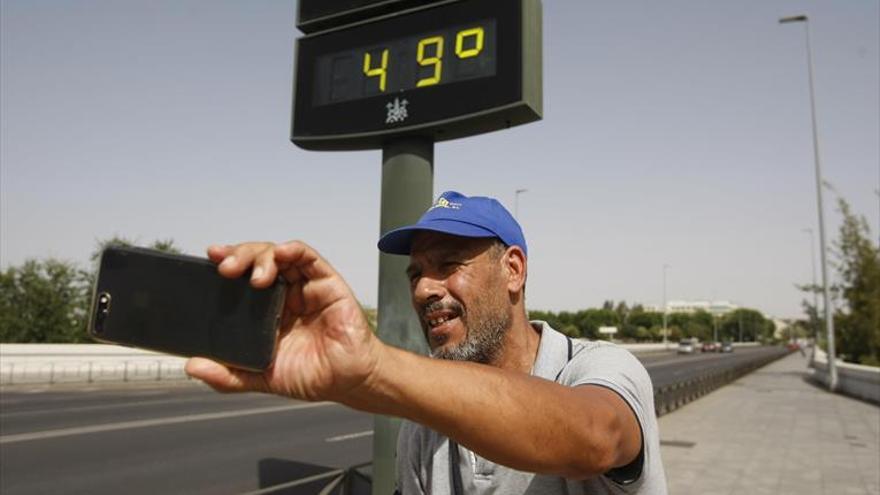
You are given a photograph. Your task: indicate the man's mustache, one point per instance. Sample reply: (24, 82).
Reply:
(451, 306)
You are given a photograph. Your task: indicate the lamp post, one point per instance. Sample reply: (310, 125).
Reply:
(829, 320)
(665, 310)
(516, 203)
(815, 295)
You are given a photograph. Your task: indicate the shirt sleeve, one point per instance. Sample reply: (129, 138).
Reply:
(617, 369)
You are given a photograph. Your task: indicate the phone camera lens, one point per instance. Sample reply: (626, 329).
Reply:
(101, 311)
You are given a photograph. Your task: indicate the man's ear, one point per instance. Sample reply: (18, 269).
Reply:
(516, 265)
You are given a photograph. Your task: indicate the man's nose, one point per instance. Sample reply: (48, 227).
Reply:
(428, 289)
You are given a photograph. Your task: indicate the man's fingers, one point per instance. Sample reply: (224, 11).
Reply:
(304, 261)
(217, 252)
(238, 259)
(314, 283)
(265, 270)
(223, 378)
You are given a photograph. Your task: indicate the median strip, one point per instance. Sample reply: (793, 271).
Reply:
(146, 423)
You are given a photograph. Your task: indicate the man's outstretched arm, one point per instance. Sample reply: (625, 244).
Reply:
(517, 420)
(326, 351)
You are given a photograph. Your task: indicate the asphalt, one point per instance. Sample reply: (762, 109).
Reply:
(676, 368)
(184, 438)
(773, 432)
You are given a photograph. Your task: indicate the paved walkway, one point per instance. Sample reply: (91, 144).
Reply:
(772, 432)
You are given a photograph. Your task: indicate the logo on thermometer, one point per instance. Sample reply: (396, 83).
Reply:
(396, 111)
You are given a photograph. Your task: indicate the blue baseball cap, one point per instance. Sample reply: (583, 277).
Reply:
(456, 214)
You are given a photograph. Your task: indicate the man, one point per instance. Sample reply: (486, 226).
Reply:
(527, 410)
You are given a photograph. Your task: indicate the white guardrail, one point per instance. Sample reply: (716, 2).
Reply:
(93, 363)
(85, 363)
(854, 380)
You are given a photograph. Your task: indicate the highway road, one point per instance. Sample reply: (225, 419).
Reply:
(186, 438)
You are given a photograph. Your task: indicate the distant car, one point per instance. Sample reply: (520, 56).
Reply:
(711, 347)
(726, 347)
(686, 346)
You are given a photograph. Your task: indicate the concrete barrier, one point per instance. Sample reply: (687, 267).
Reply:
(85, 363)
(90, 363)
(854, 380)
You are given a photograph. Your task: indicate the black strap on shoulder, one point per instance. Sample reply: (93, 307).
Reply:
(567, 361)
(454, 472)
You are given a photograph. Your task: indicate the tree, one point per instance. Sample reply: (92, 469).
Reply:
(48, 301)
(634, 323)
(166, 245)
(648, 324)
(858, 266)
(698, 324)
(589, 321)
(556, 322)
(645, 319)
(814, 323)
(43, 301)
(749, 323)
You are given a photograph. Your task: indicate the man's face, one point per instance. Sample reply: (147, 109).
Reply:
(459, 291)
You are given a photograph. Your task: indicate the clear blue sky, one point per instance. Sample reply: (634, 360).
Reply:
(674, 132)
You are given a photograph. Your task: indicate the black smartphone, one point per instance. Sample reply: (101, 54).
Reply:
(180, 305)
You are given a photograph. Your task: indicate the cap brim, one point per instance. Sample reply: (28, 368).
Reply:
(399, 241)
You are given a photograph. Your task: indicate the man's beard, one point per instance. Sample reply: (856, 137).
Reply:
(484, 334)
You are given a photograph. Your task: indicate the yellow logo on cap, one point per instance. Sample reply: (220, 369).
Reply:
(445, 203)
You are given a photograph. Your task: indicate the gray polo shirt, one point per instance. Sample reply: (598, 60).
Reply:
(423, 454)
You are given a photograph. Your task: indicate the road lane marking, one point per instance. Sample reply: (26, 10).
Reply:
(146, 423)
(98, 407)
(350, 436)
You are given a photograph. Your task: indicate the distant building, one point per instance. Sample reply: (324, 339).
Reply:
(713, 307)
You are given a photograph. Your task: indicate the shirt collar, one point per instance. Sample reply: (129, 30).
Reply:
(552, 352)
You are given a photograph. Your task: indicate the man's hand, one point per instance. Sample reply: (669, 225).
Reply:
(325, 348)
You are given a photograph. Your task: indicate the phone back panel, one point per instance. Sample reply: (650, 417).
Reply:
(181, 305)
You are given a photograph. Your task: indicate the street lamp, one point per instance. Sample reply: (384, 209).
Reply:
(829, 320)
(665, 310)
(813, 289)
(516, 203)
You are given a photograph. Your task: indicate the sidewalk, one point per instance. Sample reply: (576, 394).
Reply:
(771, 432)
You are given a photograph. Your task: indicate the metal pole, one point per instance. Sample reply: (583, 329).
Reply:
(665, 310)
(516, 202)
(815, 294)
(407, 191)
(829, 317)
